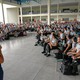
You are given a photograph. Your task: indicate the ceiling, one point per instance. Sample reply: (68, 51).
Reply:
(22, 1)
(40, 1)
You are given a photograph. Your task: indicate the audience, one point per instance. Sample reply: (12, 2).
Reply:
(55, 36)
(64, 37)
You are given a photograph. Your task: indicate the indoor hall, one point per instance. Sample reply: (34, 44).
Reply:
(39, 39)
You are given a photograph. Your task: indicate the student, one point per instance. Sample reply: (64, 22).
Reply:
(76, 51)
(62, 36)
(46, 41)
(38, 38)
(76, 57)
(74, 42)
(72, 33)
(68, 45)
(1, 61)
(53, 44)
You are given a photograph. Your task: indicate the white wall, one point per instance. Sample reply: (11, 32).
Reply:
(1, 18)
(12, 15)
(5, 6)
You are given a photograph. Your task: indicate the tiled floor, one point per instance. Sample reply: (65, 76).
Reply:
(24, 61)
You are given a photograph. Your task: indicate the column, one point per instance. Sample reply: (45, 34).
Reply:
(78, 15)
(21, 15)
(40, 12)
(3, 11)
(49, 13)
(78, 7)
(31, 13)
(18, 14)
(57, 11)
(31, 19)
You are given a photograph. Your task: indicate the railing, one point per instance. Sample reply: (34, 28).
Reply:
(21, 1)
(14, 1)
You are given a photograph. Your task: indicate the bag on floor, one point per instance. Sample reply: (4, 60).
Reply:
(7, 37)
(58, 55)
(75, 68)
(66, 68)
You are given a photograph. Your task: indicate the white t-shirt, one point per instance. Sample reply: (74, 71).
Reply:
(49, 29)
(69, 42)
(54, 41)
(73, 45)
(66, 32)
(62, 36)
(72, 33)
(50, 37)
(1, 34)
(41, 31)
(46, 29)
(78, 47)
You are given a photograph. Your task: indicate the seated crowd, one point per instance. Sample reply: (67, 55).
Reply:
(11, 30)
(62, 37)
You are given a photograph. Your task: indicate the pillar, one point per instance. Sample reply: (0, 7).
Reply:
(40, 12)
(49, 12)
(21, 15)
(3, 11)
(31, 14)
(57, 12)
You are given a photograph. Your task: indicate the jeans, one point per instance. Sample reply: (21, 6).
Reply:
(44, 47)
(1, 73)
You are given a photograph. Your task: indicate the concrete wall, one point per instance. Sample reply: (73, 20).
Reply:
(12, 15)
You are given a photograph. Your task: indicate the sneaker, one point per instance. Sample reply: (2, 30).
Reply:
(43, 52)
(47, 55)
(76, 73)
(36, 45)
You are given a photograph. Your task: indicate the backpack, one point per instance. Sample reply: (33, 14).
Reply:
(66, 68)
